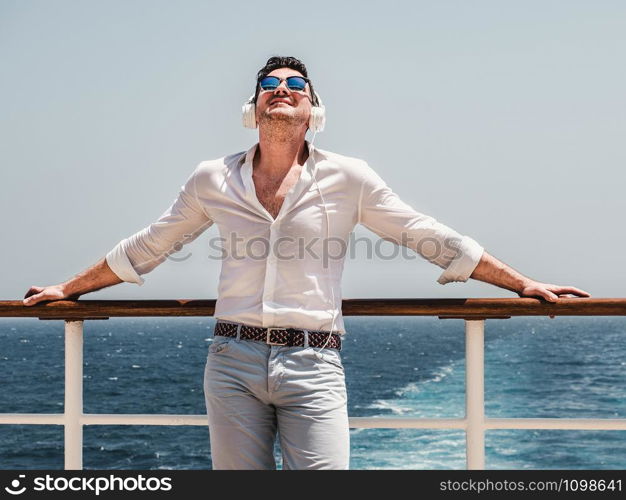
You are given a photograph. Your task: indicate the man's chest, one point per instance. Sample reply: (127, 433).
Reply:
(271, 192)
(301, 212)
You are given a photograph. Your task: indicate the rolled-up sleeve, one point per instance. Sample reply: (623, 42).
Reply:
(180, 224)
(384, 213)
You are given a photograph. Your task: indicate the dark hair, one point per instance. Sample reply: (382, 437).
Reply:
(277, 62)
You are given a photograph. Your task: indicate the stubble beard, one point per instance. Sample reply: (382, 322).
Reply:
(281, 127)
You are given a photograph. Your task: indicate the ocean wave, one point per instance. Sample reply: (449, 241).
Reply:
(393, 406)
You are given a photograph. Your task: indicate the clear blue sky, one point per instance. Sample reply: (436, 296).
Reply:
(504, 120)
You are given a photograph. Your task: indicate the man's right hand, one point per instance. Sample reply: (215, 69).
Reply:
(98, 276)
(41, 293)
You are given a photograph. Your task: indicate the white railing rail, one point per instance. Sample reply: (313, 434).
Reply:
(474, 424)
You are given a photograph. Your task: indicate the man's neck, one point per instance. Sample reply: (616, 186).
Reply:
(276, 155)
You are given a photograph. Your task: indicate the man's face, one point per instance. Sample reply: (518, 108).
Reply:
(282, 104)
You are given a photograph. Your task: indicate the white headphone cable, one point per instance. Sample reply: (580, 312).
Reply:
(332, 292)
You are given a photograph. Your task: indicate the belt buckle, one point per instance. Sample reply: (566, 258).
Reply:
(268, 337)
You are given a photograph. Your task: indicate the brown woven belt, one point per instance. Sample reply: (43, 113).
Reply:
(290, 337)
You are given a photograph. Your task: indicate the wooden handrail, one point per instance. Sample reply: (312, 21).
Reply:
(445, 308)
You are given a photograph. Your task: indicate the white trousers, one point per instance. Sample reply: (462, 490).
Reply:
(254, 391)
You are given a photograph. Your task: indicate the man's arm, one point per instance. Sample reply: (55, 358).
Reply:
(382, 211)
(496, 272)
(180, 224)
(93, 278)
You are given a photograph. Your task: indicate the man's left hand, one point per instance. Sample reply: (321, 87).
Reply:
(550, 292)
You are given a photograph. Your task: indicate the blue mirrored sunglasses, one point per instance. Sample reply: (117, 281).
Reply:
(297, 83)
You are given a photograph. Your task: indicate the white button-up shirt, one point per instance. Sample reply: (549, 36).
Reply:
(286, 272)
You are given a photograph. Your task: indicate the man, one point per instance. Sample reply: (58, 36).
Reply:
(274, 365)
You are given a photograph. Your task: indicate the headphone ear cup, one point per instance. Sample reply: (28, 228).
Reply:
(248, 114)
(317, 120)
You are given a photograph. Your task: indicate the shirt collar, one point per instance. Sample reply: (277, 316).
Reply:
(249, 155)
(306, 176)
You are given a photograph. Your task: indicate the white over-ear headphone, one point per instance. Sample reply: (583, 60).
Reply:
(317, 120)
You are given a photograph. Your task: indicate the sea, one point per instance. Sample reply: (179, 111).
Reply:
(535, 367)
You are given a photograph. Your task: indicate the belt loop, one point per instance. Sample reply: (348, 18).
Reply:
(238, 337)
(306, 338)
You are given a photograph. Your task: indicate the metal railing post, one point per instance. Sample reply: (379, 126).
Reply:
(475, 393)
(73, 395)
